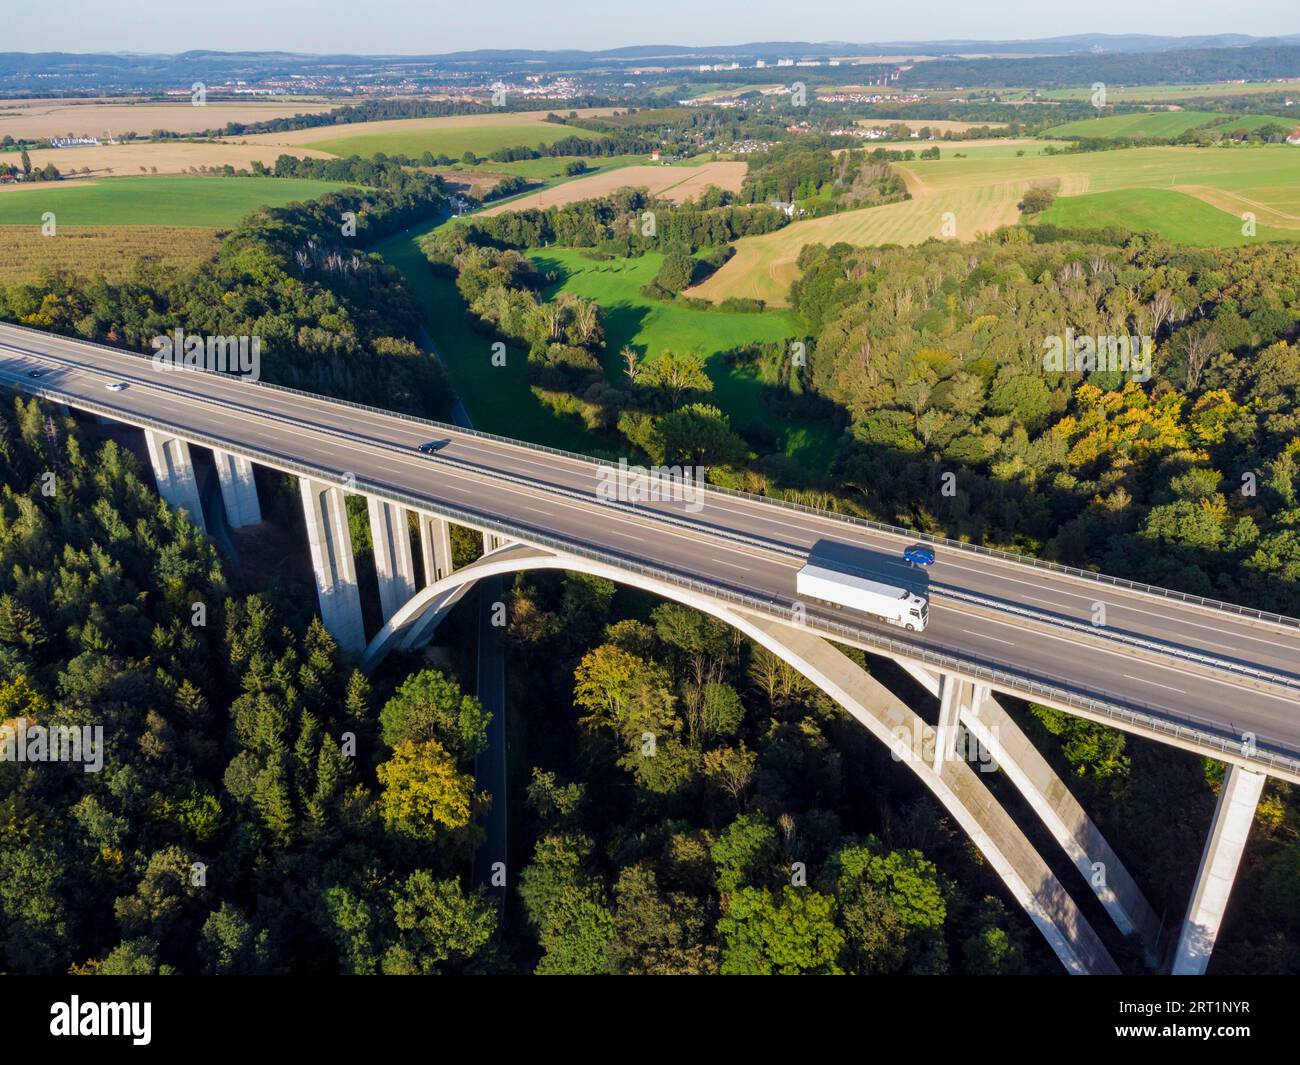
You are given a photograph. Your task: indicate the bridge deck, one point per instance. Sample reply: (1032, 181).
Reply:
(1216, 671)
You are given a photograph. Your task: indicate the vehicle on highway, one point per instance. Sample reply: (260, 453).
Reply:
(887, 602)
(430, 446)
(35, 373)
(919, 555)
(115, 386)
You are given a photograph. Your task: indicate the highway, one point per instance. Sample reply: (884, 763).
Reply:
(1221, 672)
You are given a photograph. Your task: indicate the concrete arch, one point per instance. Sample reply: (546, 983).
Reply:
(952, 781)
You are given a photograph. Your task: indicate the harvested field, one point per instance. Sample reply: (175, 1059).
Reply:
(400, 127)
(764, 266)
(110, 252)
(676, 183)
(59, 118)
(169, 157)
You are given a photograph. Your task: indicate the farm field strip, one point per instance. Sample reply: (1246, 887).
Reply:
(454, 142)
(168, 156)
(109, 252)
(673, 182)
(212, 202)
(445, 123)
(35, 119)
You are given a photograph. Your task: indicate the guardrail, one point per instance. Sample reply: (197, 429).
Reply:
(1102, 703)
(1155, 591)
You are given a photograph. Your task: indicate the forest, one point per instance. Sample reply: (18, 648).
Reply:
(1189, 480)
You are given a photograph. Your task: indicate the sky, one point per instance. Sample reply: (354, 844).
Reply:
(432, 26)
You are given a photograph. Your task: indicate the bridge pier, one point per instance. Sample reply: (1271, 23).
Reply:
(238, 489)
(1031, 774)
(493, 542)
(393, 562)
(1233, 816)
(326, 515)
(173, 469)
(956, 698)
(435, 547)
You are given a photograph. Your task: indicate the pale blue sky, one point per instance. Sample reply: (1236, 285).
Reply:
(427, 26)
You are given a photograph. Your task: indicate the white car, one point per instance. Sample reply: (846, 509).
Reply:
(116, 386)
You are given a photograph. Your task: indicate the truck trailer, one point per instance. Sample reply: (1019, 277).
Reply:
(887, 602)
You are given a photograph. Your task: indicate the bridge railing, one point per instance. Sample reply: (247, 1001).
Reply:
(867, 523)
(1100, 703)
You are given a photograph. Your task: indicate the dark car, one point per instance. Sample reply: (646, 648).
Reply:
(919, 555)
(35, 373)
(430, 446)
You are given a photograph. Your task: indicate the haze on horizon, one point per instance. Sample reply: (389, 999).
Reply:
(432, 26)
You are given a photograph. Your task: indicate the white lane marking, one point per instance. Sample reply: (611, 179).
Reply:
(1143, 680)
(986, 636)
(536, 511)
(733, 565)
(628, 535)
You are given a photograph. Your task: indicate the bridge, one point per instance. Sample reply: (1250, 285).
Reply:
(1209, 677)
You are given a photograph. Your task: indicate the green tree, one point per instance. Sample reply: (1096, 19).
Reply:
(788, 934)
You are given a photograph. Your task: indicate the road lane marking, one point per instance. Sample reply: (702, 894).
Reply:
(743, 569)
(1143, 680)
(986, 636)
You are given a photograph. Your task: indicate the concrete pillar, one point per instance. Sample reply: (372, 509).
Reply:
(393, 563)
(238, 489)
(331, 558)
(955, 696)
(174, 472)
(949, 715)
(493, 541)
(435, 547)
(1233, 816)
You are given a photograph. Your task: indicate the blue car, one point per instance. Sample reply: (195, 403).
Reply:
(919, 555)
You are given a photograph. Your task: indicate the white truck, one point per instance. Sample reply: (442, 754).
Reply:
(896, 605)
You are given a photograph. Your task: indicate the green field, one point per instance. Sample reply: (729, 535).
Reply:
(497, 398)
(453, 141)
(653, 326)
(1173, 215)
(213, 202)
(1253, 122)
(1140, 124)
(1170, 93)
